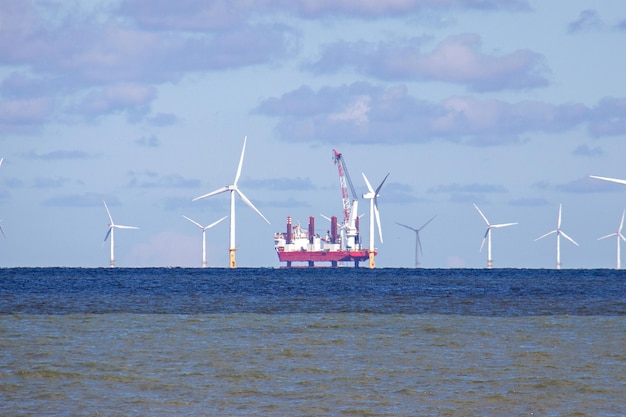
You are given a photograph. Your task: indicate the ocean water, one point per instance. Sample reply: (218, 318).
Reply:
(318, 342)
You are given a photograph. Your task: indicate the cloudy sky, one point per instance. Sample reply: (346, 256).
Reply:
(507, 104)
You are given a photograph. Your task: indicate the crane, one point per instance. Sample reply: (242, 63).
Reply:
(349, 207)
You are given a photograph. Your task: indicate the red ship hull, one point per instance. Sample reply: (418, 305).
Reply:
(334, 257)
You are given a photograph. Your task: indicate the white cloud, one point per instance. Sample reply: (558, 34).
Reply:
(457, 59)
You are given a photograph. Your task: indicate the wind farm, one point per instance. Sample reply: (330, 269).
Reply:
(111, 232)
(559, 233)
(343, 244)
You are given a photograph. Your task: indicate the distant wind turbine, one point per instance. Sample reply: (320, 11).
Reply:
(619, 236)
(204, 229)
(372, 195)
(488, 235)
(234, 190)
(559, 233)
(418, 243)
(113, 226)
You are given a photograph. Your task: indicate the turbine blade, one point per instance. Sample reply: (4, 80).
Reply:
(547, 234)
(621, 224)
(1, 230)
(381, 184)
(419, 243)
(214, 223)
(604, 237)
(483, 242)
(482, 215)
(218, 191)
(367, 183)
(193, 221)
(108, 212)
(408, 227)
(243, 151)
(107, 235)
(119, 226)
(377, 214)
(1, 160)
(609, 179)
(503, 225)
(249, 203)
(326, 217)
(622, 236)
(568, 238)
(425, 224)
(558, 225)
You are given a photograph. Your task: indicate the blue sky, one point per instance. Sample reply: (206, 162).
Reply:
(508, 104)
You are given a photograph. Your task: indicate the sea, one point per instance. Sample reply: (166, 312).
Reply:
(312, 342)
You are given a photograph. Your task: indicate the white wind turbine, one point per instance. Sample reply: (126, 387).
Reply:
(418, 243)
(113, 226)
(204, 229)
(488, 235)
(372, 195)
(559, 233)
(619, 236)
(234, 190)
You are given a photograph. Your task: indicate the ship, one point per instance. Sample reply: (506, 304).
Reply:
(300, 245)
(340, 245)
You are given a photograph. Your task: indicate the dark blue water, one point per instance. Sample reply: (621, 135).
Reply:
(481, 292)
(319, 342)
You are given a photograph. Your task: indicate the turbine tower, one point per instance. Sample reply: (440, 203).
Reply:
(204, 229)
(418, 243)
(619, 236)
(559, 233)
(372, 195)
(488, 235)
(234, 190)
(113, 226)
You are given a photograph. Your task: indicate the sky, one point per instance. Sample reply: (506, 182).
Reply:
(144, 104)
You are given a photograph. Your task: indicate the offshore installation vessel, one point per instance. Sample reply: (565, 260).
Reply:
(339, 245)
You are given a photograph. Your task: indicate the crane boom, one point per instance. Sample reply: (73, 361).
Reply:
(343, 176)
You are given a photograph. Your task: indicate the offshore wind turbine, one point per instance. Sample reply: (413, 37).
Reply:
(372, 195)
(234, 189)
(488, 235)
(619, 236)
(559, 233)
(112, 227)
(418, 243)
(204, 229)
